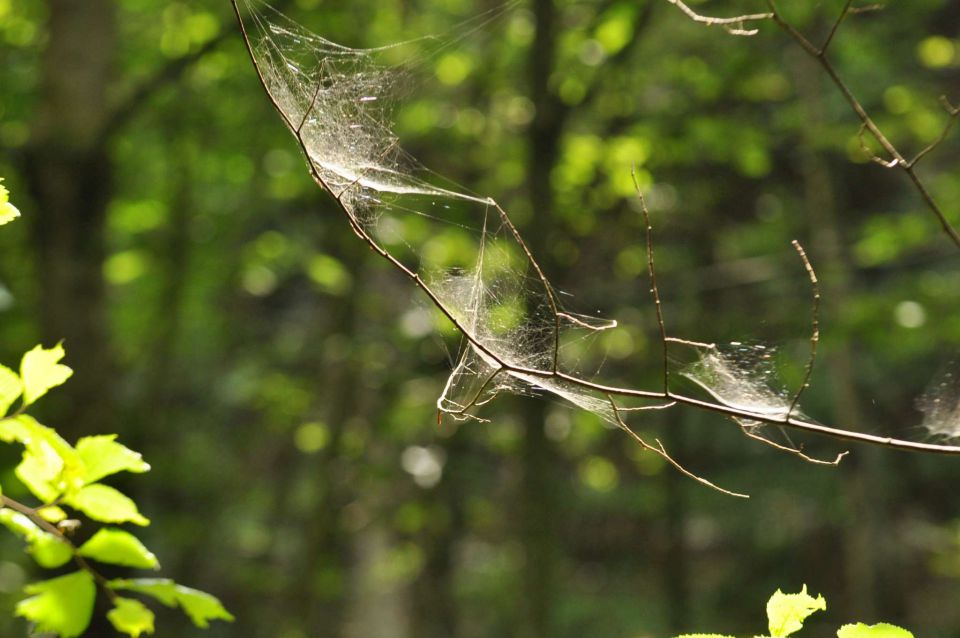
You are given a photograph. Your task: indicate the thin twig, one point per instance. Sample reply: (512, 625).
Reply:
(734, 25)
(659, 449)
(49, 528)
(652, 273)
(748, 432)
(952, 113)
(836, 25)
(814, 326)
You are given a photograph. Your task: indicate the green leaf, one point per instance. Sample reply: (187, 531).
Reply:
(118, 547)
(107, 505)
(103, 456)
(786, 612)
(10, 388)
(8, 212)
(50, 466)
(882, 630)
(200, 606)
(40, 370)
(130, 617)
(52, 514)
(61, 605)
(48, 550)
(704, 636)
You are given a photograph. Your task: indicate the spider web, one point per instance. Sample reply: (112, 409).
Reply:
(338, 102)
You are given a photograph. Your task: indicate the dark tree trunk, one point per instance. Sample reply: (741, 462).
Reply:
(539, 511)
(69, 174)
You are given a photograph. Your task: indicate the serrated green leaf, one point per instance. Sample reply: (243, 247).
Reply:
(41, 370)
(130, 617)
(103, 456)
(199, 606)
(786, 612)
(882, 630)
(61, 605)
(117, 547)
(107, 505)
(48, 550)
(10, 388)
(8, 212)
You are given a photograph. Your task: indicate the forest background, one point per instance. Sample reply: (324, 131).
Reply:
(282, 381)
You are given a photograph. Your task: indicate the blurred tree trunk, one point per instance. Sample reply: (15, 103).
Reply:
(862, 540)
(538, 507)
(69, 173)
(435, 613)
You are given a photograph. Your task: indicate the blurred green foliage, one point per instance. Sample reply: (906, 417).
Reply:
(283, 380)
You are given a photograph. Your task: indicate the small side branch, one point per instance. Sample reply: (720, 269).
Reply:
(660, 450)
(734, 26)
(814, 326)
(34, 516)
(652, 272)
(749, 431)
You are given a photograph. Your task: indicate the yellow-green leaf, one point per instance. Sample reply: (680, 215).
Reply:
(61, 605)
(200, 606)
(118, 547)
(10, 388)
(52, 514)
(50, 465)
(103, 456)
(8, 212)
(107, 505)
(786, 612)
(41, 370)
(48, 550)
(882, 630)
(130, 617)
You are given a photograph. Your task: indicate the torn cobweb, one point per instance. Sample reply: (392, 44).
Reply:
(338, 102)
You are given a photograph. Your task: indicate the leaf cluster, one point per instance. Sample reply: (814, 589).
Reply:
(787, 612)
(64, 477)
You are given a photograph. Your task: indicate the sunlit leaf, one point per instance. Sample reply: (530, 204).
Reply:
(50, 465)
(8, 212)
(130, 617)
(118, 547)
(48, 550)
(61, 605)
(10, 388)
(103, 456)
(881, 630)
(200, 606)
(107, 505)
(41, 370)
(52, 514)
(786, 612)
